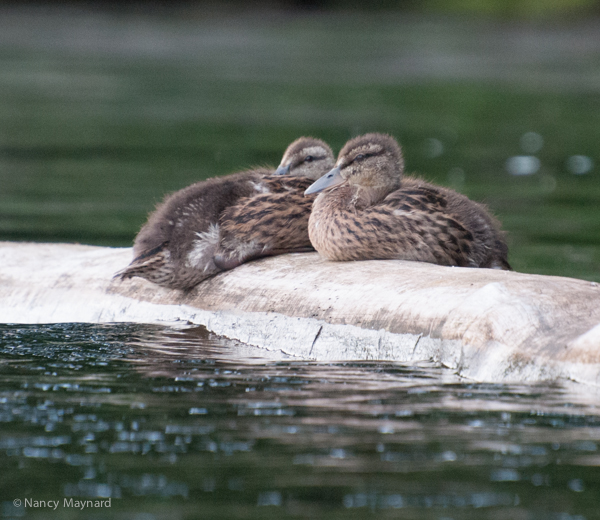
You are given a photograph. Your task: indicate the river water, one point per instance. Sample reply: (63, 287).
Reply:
(180, 423)
(103, 112)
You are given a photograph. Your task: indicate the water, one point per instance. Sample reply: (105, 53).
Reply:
(102, 113)
(179, 423)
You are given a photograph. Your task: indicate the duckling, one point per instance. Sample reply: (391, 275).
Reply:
(275, 223)
(370, 211)
(266, 225)
(176, 246)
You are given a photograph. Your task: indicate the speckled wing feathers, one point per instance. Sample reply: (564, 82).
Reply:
(266, 224)
(415, 222)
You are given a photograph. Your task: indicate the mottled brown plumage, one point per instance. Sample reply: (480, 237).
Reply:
(373, 212)
(266, 225)
(177, 245)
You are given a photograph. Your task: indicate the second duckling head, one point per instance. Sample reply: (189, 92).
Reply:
(306, 157)
(372, 161)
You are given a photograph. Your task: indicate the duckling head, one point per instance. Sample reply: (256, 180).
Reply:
(306, 157)
(371, 162)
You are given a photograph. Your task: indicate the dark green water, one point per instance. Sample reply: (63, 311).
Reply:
(101, 114)
(182, 424)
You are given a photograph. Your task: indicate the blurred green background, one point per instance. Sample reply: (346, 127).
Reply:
(106, 107)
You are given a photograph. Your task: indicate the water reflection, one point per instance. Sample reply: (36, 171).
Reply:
(531, 142)
(433, 148)
(579, 164)
(523, 165)
(190, 420)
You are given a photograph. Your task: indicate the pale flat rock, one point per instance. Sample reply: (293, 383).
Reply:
(487, 325)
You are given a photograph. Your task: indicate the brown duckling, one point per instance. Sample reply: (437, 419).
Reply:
(371, 211)
(275, 222)
(268, 224)
(176, 246)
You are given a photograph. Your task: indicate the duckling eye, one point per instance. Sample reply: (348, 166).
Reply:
(308, 158)
(359, 157)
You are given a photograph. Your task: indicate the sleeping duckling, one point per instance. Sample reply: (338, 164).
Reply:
(266, 225)
(371, 211)
(175, 247)
(276, 222)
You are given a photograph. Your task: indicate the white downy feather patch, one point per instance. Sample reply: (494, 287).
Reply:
(204, 247)
(259, 187)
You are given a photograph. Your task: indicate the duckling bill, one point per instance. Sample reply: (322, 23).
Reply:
(366, 209)
(200, 230)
